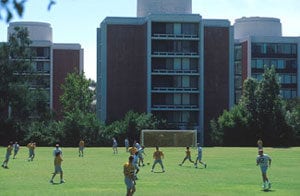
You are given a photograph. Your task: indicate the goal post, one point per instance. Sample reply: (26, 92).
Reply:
(169, 138)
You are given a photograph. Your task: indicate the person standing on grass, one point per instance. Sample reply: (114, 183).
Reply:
(259, 144)
(126, 143)
(187, 156)
(81, 148)
(128, 170)
(199, 157)
(115, 145)
(16, 147)
(57, 168)
(264, 161)
(7, 155)
(158, 156)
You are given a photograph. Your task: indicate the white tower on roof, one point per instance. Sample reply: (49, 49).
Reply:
(256, 26)
(146, 7)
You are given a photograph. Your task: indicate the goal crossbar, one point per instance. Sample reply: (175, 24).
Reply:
(168, 137)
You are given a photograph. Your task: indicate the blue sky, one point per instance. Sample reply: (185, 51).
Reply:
(75, 21)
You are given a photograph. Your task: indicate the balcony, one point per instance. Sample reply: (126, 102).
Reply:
(174, 71)
(170, 106)
(174, 54)
(161, 36)
(174, 90)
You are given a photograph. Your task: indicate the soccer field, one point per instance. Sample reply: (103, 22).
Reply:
(230, 171)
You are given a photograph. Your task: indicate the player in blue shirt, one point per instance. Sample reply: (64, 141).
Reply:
(199, 157)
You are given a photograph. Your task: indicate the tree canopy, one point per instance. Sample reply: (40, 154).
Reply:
(10, 8)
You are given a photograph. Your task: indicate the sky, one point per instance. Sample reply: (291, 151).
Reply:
(76, 21)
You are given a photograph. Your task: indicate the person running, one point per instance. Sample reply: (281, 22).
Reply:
(31, 147)
(135, 164)
(199, 157)
(57, 168)
(126, 143)
(264, 161)
(141, 154)
(7, 155)
(158, 156)
(187, 156)
(115, 146)
(128, 170)
(57, 149)
(16, 147)
(81, 147)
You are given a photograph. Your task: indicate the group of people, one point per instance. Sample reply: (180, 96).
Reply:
(135, 160)
(15, 147)
(131, 168)
(198, 159)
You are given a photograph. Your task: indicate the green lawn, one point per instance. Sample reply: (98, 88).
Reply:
(230, 171)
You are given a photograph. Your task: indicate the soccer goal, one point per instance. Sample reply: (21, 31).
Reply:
(172, 138)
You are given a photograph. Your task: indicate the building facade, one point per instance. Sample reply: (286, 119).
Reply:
(52, 61)
(258, 44)
(170, 63)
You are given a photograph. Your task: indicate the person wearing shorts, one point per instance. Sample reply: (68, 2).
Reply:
(7, 155)
(128, 170)
(264, 161)
(158, 156)
(57, 168)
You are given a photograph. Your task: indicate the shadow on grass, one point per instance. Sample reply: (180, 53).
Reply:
(56, 183)
(268, 190)
(158, 172)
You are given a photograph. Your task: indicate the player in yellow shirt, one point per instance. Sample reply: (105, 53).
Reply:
(81, 147)
(31, 146)
(8, 153)
(57, 167)
(128, 170)
(187, 156)
(158, 156)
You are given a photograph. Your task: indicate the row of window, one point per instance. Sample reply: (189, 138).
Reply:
(285, 93)
(175, 81)
(41, 66)
(288, 93)
(283, 78)
(273, 48)
(174, 46)
(175, 28)
(175, 63)
(175, 99)
(278, 63)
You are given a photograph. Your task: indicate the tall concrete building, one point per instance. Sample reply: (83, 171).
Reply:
(53, 61)
(259, 43)
(166, 61)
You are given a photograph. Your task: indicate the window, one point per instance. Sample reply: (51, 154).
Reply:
(185, 64)
(259, 64)
(280, 64)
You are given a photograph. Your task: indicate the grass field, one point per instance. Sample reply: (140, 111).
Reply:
(230, 171)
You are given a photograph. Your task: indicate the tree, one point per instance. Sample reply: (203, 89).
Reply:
(77, 94)
(11, 6)
(15, 71)
(270, 117)
(260, 113)
(76, 101)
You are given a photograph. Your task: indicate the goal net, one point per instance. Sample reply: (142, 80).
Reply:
(172, 138)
